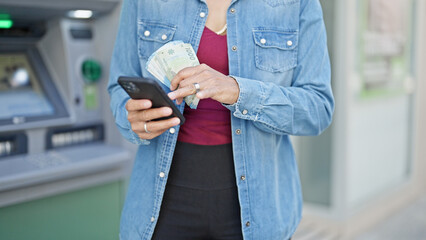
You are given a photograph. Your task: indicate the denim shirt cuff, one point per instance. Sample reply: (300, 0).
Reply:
(231, 107)
(249, 103)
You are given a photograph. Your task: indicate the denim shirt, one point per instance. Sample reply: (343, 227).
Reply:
(277, 53)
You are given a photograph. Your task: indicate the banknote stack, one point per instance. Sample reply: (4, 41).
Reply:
(167, 61)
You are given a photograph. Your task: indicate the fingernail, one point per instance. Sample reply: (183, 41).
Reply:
(176, 121)
(167, 111)
(172, 95)
(146, 104)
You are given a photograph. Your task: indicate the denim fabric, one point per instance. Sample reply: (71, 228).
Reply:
(278, 55)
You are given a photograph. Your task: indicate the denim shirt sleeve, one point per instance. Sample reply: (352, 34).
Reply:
(304, 108)
(124, 62)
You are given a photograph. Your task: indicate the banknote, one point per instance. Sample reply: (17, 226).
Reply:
(168, 60)
(154, 68)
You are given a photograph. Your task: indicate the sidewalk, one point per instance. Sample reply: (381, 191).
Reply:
(407, 224)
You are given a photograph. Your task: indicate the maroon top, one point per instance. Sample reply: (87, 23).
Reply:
(210, 123)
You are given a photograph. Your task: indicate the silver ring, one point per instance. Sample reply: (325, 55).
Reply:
(146, 129)
(197, 87)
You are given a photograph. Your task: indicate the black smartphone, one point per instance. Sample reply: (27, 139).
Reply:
(146, 88)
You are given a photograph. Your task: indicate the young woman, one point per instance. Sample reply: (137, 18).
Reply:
(229, 172)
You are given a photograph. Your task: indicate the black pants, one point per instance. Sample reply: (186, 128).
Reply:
(201, 200)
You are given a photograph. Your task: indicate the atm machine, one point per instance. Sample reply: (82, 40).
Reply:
(60, 175)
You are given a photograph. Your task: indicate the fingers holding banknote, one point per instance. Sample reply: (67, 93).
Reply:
(141, 116)
(211, 84)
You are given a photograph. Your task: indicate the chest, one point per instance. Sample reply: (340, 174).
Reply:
(263, 33)
(180, 18)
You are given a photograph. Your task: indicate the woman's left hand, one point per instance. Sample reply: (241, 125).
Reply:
(213, 84)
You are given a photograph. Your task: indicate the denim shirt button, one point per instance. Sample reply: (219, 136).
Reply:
(172, 130)
(202, 14)
(289, 43)
(152, 219)
(164, 37)
(245, 112)
(234, 48)
(147, 33)
(162, 174)
(262, 41)
(238, 131)
(232, 10)
(243, 177)
(247, 224)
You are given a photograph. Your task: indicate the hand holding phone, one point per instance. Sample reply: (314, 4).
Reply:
(149, 118)
(146, 88)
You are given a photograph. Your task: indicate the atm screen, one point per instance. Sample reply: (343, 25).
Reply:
(28, 96)
(21, 94)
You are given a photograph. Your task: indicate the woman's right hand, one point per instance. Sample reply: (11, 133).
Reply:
(140, 116)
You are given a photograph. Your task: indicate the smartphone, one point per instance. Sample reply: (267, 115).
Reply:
(146, 88)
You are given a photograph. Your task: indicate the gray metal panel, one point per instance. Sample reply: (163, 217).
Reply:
(32, 169)
(48, 9)
(25, 194)
(77, 51)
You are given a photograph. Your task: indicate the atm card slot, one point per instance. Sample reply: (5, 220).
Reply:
(13, 144)
(65, 137)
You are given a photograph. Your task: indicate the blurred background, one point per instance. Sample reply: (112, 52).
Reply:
(64, 169)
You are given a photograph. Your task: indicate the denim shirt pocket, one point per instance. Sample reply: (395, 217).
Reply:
(275, 50)
(153, 35)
